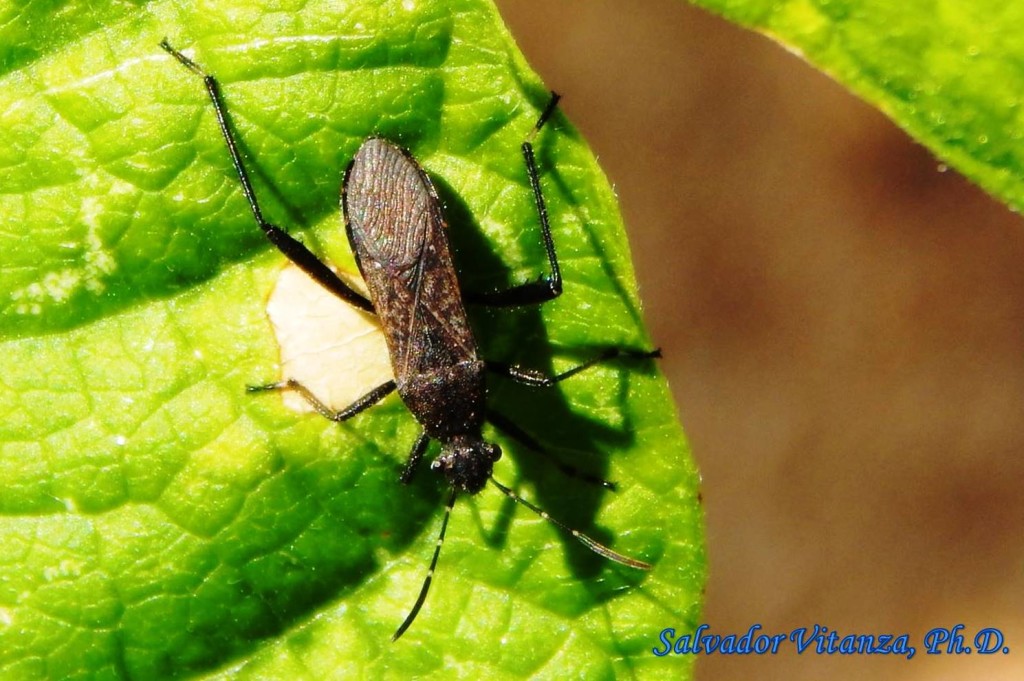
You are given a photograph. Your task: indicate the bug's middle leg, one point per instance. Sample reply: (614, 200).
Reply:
(539, 379)
(362, 404)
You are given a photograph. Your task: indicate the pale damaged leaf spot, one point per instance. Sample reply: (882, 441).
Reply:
(331, 347)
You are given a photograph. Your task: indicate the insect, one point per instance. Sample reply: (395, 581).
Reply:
(397, 230)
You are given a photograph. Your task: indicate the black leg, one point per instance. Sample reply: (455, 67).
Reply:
(507, 426)
(362, 404)
(545, 288)
(292, 248)
(418, 449)
(538, 379)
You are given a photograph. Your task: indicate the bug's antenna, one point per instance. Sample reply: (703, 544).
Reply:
(430, 573)
(596, 547)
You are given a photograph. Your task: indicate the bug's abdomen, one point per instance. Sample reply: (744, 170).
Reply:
(399, 236)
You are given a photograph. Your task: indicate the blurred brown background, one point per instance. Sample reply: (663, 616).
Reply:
(843, 326)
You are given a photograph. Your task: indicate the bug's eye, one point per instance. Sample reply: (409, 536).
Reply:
(467, 463)
(492, 451)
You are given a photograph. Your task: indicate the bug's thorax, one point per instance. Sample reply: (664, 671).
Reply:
(447, 400)
(466, 462)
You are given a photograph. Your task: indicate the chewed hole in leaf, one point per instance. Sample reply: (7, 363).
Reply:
(332, 348)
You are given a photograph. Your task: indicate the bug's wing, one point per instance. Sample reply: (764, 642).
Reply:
(399, 236)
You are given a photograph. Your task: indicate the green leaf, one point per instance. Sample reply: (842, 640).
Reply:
(156, 520)
(947, 71)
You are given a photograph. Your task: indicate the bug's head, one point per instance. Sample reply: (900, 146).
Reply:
(467, 462)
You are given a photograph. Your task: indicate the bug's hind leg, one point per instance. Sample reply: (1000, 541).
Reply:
(549, 287)
(291, 247)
